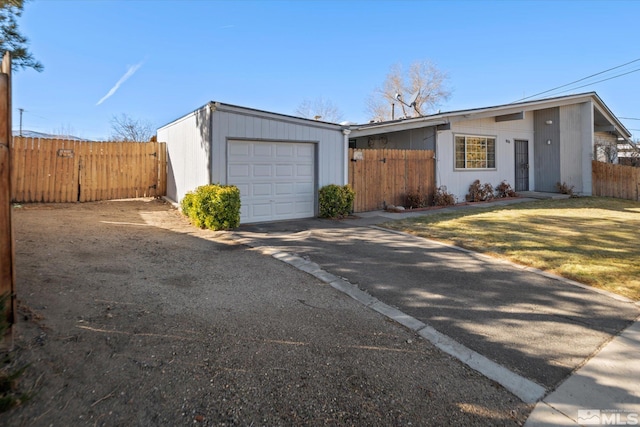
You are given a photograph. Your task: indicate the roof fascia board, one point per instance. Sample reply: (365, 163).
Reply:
(606, 112)
(395, 127)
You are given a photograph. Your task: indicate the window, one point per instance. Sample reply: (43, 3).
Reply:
(475, 152)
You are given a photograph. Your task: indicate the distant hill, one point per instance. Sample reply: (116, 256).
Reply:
(34, 134)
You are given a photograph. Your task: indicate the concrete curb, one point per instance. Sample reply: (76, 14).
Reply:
(525, 389)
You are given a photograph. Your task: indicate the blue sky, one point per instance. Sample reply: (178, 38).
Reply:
(158, 60)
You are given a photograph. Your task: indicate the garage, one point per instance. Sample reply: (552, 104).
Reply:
(278, 162)
(276, 179)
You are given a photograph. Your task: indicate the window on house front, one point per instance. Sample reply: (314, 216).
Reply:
(475, 152)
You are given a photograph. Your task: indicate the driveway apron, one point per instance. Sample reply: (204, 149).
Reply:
(536, 326)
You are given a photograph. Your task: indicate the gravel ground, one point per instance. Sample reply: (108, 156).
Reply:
(130, 316)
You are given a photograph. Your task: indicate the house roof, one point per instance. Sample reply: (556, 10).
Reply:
(604, 119)
(246, 111)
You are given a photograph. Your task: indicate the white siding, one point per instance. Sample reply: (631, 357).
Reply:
(187, 153)
(457, 181)
(228, 125)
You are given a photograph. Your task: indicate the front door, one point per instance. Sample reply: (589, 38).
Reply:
(522, 164)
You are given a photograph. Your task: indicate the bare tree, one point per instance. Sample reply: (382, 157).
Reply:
(319, 109)
(422, 77)
(126, 128)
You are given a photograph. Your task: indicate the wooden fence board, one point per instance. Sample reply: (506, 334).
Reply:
(618, 181)
(384, 177)
(49, 170)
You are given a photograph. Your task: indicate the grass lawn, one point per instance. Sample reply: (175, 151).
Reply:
(593, 240)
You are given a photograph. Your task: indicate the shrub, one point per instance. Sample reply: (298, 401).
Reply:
(479, 192)
(564, 188)
(416, 199)
(335, 201)
(504, 189)
(214, 206)
(443, 198)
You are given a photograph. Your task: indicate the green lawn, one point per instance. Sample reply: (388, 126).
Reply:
(593, 240)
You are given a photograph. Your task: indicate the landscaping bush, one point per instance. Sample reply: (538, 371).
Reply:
(335, 201)
(479, 192)
(504, 189)
(416, 199)
(564, 188)
(442, 197)
(214, 206)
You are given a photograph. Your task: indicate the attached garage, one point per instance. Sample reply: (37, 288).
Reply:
(278, 162)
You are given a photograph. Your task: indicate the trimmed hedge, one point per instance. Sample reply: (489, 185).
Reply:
(214, 206)
(335, 201)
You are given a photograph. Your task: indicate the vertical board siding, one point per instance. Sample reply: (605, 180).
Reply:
(618, 181)
(385, 177)
(51, 170)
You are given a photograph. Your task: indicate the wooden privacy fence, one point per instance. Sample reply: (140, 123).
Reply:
(56, 170)
(384, 177)
(610, 180)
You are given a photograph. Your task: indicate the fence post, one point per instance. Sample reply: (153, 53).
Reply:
(7, 245)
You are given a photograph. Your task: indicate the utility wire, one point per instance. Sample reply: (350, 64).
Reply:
(600, 81)
(582, 79)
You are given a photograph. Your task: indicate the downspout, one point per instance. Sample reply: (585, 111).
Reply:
(212, 109)
(345, 174)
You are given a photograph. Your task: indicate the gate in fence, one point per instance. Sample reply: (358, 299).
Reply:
(385, 177)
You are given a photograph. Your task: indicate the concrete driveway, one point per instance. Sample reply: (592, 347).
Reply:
(537, 326)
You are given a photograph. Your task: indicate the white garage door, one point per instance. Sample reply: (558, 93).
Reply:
(276, 179)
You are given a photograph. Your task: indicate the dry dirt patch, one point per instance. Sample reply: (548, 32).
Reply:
(130, 316)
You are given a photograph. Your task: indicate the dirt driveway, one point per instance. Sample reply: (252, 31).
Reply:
(130, 316)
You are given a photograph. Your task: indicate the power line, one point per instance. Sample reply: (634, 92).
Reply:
(600, 81)
(628, 118)
(582, 79)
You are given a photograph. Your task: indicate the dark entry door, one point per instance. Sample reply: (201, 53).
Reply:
(522, 164)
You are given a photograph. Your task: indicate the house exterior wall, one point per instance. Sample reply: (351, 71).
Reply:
(188, 146)
(547, 143)
(457, 181)
(237, 125)
(576, 146)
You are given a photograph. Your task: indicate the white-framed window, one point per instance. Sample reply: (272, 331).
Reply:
(475, 152)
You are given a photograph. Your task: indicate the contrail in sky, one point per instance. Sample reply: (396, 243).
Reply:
(123, 79)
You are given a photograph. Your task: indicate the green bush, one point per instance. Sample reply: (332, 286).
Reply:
(214, 206)
(335, 201)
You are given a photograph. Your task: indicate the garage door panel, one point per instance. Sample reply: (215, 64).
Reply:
(304, 170)
(285, 170)
(262, 170)
(285, 150)
(239, 149)
(262, 150)
(239, 171)
(303, 188)
(260, 189)
(276, 179)
(284, 189)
